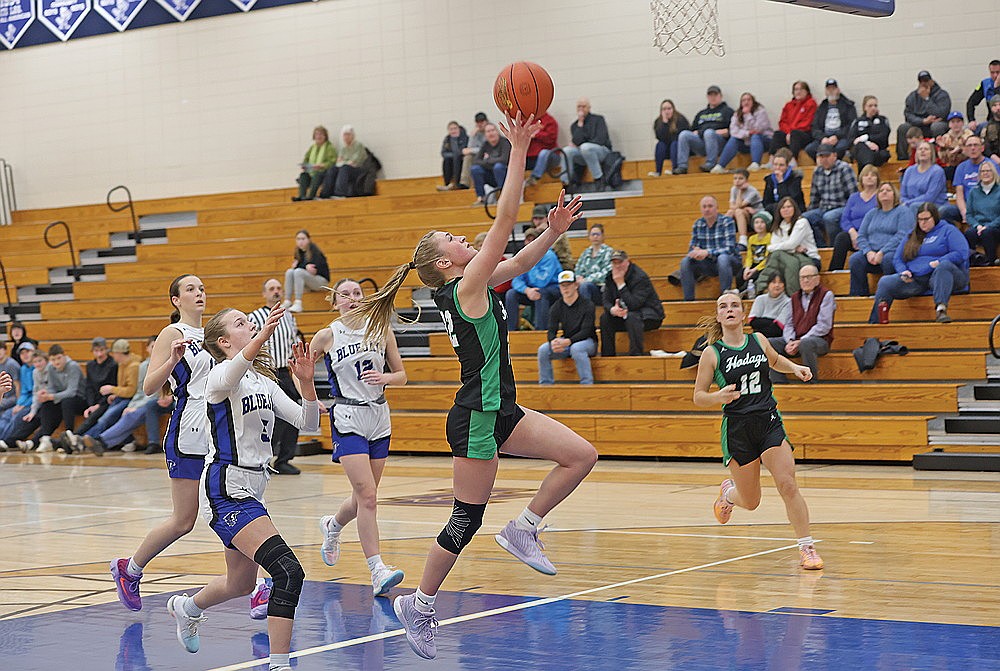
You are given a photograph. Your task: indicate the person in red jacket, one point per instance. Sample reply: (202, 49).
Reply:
(795, 127)
(541, 148)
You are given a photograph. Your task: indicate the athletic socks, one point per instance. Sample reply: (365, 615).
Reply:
(334, 525)
(261, 581)
(423, 602)
(276, 661)
(191, 608)
(134, 569)
(374, 562)
(729, 495)
(808, 540)
(527, 520)
(742, 240)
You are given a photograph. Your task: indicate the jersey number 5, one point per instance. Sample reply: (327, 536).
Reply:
(750, 383)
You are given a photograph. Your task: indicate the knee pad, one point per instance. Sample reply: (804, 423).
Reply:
(275, 557)
(466, 519)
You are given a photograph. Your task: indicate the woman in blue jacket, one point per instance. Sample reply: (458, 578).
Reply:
(881, 232)
(983, 213)
(924, 182)
(934, 259)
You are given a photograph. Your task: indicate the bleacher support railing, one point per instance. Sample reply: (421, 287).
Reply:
(74, 268)
(8, 195)
(993, 330)
(127, 205)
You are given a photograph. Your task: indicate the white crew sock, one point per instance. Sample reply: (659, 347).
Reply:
(277, 661)
(190, 608)
(424, 602)
(334, 525)
(261, 581)
(728, 496)
(807, 540)
(742, 240)
(527, 520)
(133, 569)
(374, 562)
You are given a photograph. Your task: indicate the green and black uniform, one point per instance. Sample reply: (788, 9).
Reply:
(751, 424)
(485, 412)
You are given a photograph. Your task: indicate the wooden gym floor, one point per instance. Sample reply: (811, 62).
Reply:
(647, 579)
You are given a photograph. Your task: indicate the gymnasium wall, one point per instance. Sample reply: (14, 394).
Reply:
(228, 103)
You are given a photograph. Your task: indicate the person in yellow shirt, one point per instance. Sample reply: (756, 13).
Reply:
(756, 254)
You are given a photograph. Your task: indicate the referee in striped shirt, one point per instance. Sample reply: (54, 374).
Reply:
(285, 439)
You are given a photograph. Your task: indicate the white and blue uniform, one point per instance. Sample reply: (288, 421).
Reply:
(242, 406)
(359, 418)
(186, 442)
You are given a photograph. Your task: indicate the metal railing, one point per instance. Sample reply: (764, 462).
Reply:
(11, 310)
(127, 205)
(74, 268)
(993, 330)
(8, 195)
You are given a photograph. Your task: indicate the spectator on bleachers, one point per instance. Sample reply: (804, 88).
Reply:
(858, 205)
(783, 181)
(983, 214)
(666, 129)
(924, 182)
(63, 397)
(967, 172)
(540, 150)
(594, 264)
(320, 155)
(988, 87)
(795, 126)
(452, 146)
(991, 131)
(574, 315)
(540, 222)
(309, 271)
(489, 166)
(589, 145)
(708, 132)
(18, 335)
(119, 395)
(102, 372)
(756, 255)
(772, 310)
(832, 120)
(882, 231)
(792, 247)
(22, 402)
(868, 136)
(750, 132)
(926, 108)
(914, 137)
(338, 182)
(744, 202)
(476, 140)
(12, 367)
(833, 183)
(631, 304)
(712, 250)
(809, 333)
(951, 145)
(19, 431)
(477, 242)
(538, 287)
(933, 259)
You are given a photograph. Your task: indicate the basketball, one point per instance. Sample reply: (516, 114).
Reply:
(523, 86)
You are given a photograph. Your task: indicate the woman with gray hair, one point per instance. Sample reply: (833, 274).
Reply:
(339, 179)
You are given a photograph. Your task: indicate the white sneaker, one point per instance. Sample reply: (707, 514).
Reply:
(128, 447)
(286, 304)
(3, 446)
(331, 542)
(26, 445)
(753, 167)
(718, 170)
(652, 173)
(296, 307)
(187, 626)
(667, 171)
(74, 441)
(385, 578)
(45, 444)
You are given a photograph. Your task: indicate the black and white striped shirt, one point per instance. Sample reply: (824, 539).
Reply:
(281, 341)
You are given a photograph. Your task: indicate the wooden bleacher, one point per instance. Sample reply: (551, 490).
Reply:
(643, 404)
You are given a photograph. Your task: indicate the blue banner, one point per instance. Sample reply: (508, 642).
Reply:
(180, 9)
(15, 17)
(119, 13)
(63, 17)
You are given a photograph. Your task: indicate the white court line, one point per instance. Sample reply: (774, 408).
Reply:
(53, 519)
(679, 535)
(500, 611)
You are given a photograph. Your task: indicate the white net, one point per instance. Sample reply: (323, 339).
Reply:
(686, 26)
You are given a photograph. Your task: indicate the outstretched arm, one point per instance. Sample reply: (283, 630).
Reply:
(780, 363)
(560, 218)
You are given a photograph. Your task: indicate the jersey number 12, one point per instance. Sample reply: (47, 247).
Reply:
(750, 383)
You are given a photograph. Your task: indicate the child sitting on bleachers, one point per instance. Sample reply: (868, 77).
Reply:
(756, 254)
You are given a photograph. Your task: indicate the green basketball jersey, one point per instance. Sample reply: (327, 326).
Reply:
(483, 352)
(747, 368)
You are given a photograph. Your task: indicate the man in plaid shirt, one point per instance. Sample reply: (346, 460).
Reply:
(832, 184)
(712, 251)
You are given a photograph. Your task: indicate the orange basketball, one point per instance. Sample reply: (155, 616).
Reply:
(523, 86)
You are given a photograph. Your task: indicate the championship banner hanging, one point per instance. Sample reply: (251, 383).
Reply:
(62, 17)
(15, 17)
(179, 9)
(119, 13)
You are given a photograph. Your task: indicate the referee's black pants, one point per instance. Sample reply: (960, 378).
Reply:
(285, 439)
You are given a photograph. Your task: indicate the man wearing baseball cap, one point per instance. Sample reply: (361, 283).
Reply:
(833, 119)
(926, 107)
(631, 304)
(950, 145)
(709, 131)
(574, 316)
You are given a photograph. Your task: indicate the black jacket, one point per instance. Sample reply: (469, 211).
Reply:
(713, 118)
(453, 146)
(876, 129)
(847, 116)
(576, 321)
(662, 130)
(792, 186)
(638, 294)
(98, 375)
(489, 154)
(594, 129)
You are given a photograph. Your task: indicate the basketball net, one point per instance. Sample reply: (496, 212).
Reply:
(686, 26)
